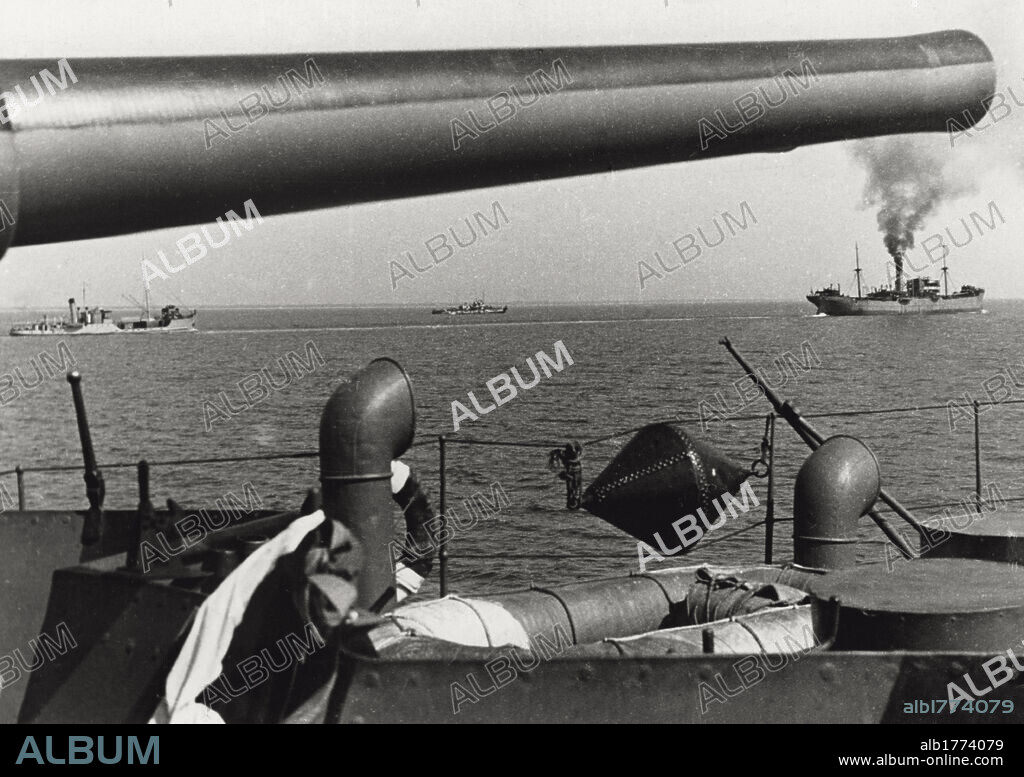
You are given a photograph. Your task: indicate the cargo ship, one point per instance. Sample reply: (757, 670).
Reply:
(172, 319)
(916, 296)
(477, 306)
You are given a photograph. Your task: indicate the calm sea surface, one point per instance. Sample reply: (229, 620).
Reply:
(632, 365)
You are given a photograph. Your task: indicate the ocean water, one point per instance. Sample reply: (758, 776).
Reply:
(632, 365)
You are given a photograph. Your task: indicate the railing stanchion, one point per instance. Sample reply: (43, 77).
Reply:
(769, 521)
(442, 552)
(144, 515)
(977, 457)
(20, 474)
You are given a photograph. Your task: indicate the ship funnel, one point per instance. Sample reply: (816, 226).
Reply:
(662, 475)
(837, 484)
(367, 422)
(125, 145)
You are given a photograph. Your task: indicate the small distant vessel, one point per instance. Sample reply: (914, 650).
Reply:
(467, 308)
(82, 321)
(172, 319)
(98, 321)
(918, 295)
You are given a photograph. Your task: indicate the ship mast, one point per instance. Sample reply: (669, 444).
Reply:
(145, 287)
(856, 251)
(945, 277)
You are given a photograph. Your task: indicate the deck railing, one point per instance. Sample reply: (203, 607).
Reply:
(443, 442)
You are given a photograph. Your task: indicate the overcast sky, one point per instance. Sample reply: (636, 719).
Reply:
(567, 240)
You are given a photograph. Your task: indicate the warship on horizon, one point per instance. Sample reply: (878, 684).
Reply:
(468, 308)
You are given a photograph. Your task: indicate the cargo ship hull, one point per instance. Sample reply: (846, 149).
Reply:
(842, 305)
(134, 326)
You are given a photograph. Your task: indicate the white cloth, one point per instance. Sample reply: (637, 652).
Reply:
(199, 662)
(407, 582)
(463, 621)
(399, 476)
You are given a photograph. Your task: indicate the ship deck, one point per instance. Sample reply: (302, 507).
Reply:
(835, 685)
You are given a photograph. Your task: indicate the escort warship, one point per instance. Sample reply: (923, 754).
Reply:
(476, 307)
(818, 638)
(915, 296)
(81, 321)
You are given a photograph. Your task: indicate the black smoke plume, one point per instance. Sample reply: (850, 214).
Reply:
(907, 179)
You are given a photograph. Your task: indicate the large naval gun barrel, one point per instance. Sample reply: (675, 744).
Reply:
(112, 146)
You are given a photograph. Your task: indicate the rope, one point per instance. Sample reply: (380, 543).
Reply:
(502, 443)
(508, 443)
(744, 530)
(551, 556)
(173, 462)
(699, 420)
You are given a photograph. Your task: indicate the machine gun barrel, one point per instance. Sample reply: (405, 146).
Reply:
(123, 145)
(95, 487)
(813, 439)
